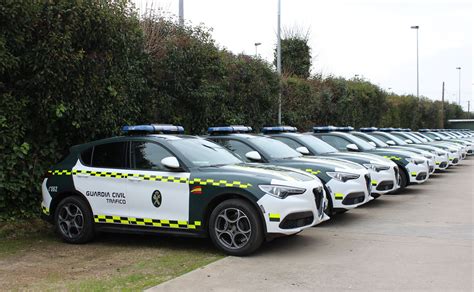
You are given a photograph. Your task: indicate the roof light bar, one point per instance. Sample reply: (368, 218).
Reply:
(229, 129)
(387, 129)
(345, 129)
(324, 129)
(369, 129)
(279, 129)
(153, 129)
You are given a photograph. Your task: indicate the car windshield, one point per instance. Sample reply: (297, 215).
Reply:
(396, 139)
(427, 138)
(373, 139)
(317, 144)
(204, 153)
(274, 149)
(414, 138)
(363, 145)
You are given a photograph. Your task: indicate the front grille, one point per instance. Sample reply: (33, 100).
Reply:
(385, 185)
(368, 182)
(431, 169)
(318, 197)
(296, 220)
(442, 164)
(455, 160)
(354, 198)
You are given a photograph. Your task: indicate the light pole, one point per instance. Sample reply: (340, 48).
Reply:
(417, 27)
(459, 92)
(256, 49)
(279, 61)
(181, 13)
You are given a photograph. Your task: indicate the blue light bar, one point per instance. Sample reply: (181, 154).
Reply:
(424, 130)
(279, 129)
(324, 129)
(153, 129)
(345, 129)
(370, 129)
(387, 129)
(406, 130)
(229, 129)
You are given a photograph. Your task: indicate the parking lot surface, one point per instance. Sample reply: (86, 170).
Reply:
(420, 239)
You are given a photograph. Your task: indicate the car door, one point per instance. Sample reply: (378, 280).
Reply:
(98, 176)
(156, 192)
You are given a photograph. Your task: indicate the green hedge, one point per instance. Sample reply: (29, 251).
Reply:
(75, 71)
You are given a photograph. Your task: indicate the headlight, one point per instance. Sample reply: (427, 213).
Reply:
(376, 167)
(343, 176)
(428, 156)
(453, 151)
(415, 160)
(437, 153)
(281, 192)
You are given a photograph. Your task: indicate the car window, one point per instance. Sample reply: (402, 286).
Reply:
(335, 141)
(237, 147)
(148, 156)
(204, 153)
(86, 156)
(290, 142)
(273, 148)
(110, 155)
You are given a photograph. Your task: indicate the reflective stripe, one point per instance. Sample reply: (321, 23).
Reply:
(393, 157)
(44, 209)
(198, 181)
(338, 196)
(274, 217)
(315, 172)
(176, 224)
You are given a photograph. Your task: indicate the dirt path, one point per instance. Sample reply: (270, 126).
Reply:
(42, 262)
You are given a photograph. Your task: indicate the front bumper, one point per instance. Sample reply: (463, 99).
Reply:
(418, 173)
(294, 213)
(384, 181)
(350, 194)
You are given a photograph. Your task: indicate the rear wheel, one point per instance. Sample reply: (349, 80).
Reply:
(235, 227)
(73, 220)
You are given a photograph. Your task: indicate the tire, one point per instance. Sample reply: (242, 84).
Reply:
(236, 228)
(403, 181)
(73, 220)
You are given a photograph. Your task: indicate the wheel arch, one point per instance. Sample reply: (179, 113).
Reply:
(227, 196)
(61, 196)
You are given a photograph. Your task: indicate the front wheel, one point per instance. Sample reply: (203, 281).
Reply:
(235, 227)
(403, 181)
(73, 220)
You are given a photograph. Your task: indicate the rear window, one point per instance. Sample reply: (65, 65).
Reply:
(110, 155)
(86, 156)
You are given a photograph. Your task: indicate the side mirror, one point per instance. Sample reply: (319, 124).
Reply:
(352, 147)
(391, 143)
(171, 162)
(303, 150)
(409, 141)
(253, 155)
(372, 143)
(437, 138)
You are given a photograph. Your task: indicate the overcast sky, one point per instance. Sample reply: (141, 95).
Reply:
(369, 38)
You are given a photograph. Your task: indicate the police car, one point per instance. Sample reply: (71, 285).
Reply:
(455, 151)
(414, 168)
(387, 140)
(153, 180)
(441, 156)
(435, 134)
(348, 184)
(383, 172)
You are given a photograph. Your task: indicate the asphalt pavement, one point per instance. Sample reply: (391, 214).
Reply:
(421, 239)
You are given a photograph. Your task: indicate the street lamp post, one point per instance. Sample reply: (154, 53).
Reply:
(181, 13)
(459, 90)
(256, 50)
(417, 27)
(279, 61)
